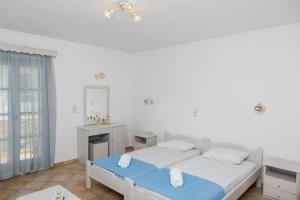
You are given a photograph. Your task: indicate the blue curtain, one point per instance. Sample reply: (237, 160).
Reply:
(27, 113)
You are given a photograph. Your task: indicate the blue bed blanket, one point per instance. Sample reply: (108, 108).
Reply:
(194, 188)
(135, 169)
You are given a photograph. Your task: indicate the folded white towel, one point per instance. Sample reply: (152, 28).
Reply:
(176, 177)
(124, 160)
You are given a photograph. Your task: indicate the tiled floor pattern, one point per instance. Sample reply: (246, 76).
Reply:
(72, 176)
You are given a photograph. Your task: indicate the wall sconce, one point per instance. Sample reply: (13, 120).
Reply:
(149, 101)
(99, 76)
(260, 107)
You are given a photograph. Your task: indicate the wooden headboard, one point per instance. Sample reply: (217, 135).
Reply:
(255, 155)
(204, 144)
(201, 144)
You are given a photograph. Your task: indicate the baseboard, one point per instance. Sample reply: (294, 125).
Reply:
(66, 162)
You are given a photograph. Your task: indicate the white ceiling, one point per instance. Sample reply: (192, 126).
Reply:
(165, 22)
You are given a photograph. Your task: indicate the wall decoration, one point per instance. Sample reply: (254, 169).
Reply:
(99, 76)
(260, 107)
(148, 101)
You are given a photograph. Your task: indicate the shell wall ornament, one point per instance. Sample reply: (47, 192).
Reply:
(149, 101)
(260, 107)
(99, 76)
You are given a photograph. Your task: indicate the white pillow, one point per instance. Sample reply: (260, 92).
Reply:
(176, 145)
(226, 155)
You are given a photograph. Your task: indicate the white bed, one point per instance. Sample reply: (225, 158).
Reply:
(235, 179)
(225, 174)
(158, 156)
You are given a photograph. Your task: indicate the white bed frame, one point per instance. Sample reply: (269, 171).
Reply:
(139, 193)
(125, 187)
(108, 179)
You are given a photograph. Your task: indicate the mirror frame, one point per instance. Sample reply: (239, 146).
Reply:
(85, 89)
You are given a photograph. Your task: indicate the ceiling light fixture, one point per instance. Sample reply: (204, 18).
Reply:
(127, 7)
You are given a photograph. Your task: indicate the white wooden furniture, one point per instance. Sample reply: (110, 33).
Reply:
(281, 179)
(48, 194)
(114, 134)
(138, 193)
(124, 186)
(131, 192)
(143, 140)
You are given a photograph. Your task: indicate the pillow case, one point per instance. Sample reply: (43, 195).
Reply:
(227, 155)
(176, 145)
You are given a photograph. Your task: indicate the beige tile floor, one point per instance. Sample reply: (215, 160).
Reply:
(72, 176)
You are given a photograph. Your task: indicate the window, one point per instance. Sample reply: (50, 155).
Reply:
(29, 95)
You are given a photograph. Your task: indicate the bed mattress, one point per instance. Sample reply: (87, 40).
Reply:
(163, 157)
(225, 174)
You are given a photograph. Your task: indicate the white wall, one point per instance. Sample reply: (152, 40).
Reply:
(75, 67)
(225, 78)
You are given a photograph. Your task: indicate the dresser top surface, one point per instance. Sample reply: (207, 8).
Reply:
(282, 164)
(145, 135)
(95, 127)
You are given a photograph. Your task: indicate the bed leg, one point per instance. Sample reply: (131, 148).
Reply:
(88, 182)
(259, 182)
(88, 179)
(128, 189)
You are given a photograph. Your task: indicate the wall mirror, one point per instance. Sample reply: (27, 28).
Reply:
(96, 104)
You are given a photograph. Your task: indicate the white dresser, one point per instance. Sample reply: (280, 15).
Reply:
(114, 134)
(281, 179)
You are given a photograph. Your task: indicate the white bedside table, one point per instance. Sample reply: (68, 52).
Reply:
(144, 140)
(281, 179)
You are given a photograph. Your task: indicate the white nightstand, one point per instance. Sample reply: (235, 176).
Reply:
(281, 179)
(144, 140)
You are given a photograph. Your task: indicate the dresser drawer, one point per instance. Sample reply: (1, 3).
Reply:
(281, 184)
(99, 132)
(278, 194)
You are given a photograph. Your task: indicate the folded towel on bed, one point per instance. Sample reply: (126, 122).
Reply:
(124, 160)
(194, 188)
(176, 177)
(135, 169)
